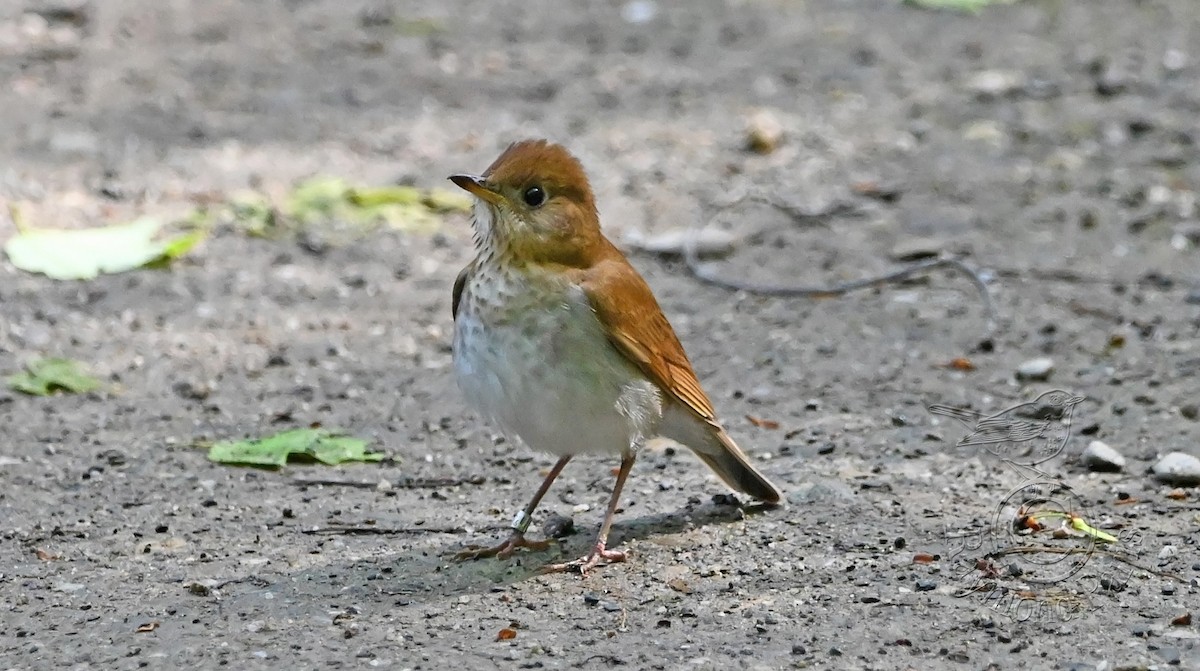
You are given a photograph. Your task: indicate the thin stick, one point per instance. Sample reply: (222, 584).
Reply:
(704, 274)
(406, 483)
(351, 530)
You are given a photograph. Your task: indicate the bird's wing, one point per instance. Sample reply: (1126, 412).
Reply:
(1003, 429)
(459, 283)
(637, 327)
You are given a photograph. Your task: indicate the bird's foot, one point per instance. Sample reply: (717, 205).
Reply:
(503, 550)
(598, 556)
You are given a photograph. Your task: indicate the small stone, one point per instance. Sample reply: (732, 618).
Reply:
(1178, 468)
(639, 11)
(764, 133)
(1190, 410)
(1098, 456)
(917, 249)
(996, 83)
(1036, 369)
(926, 585)
(558, 526)
(1174, 60)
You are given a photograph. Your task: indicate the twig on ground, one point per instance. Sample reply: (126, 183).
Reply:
(405, 483)
(705, 274)
(353, 530)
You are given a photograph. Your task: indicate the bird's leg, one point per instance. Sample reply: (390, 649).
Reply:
(519, 525)
(600, 552)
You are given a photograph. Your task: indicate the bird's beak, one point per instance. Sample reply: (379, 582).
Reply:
(477, 187)
(1076, 400)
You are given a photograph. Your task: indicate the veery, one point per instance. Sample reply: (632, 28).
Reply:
(560, 341)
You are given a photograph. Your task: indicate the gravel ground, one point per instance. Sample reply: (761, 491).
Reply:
(1051, 144)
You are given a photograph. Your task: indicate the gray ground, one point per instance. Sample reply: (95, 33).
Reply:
(1072, 183)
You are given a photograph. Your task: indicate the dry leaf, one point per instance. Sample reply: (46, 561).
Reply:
(762, 423)
(1177, 495)
(1184, 620)
(506, 634)
(146, 628)
(924, 558)
(1125, 502)
(45, 555)
(960, 363)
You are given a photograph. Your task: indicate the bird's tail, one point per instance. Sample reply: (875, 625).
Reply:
(718, 451)
(961, 414)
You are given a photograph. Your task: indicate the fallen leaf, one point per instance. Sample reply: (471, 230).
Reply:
(46, 376)
(1184, 620)
(1177, 495)
(1125, 501)
(401, 207)
(762, 423)
(971, 6)
(323, 445)
(147, 627)
(85, 253)
(960, 363)
(45, 555)
(506, 634)
(924, 558)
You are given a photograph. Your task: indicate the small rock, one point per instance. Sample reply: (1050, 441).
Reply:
(1178, 468)
(926, 585)
(708, 242)
(558, 526)
(639, 11)
(763, 132)
(916, 249)
(1190, 410)
(1100, 457)
(996, 83)
(1036, 369)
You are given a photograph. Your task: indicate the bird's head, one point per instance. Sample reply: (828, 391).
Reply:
(1059, 399)
(534, 203)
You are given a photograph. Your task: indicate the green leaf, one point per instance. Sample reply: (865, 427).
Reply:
(404, 208)
(325, 446)
(45, 376)
(971, 6)
(85, 253)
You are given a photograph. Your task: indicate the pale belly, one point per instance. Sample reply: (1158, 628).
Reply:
(552, 379)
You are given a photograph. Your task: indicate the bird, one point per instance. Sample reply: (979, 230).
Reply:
(1039, 428)
(560, 341)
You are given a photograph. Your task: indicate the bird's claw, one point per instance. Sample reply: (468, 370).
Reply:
(504, 550)
(598, 556)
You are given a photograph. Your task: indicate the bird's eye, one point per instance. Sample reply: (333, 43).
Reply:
(534, 196)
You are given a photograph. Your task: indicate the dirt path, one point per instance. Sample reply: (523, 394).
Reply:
(1053, 144)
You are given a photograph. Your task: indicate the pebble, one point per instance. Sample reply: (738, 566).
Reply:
(1036, 369)
(926, 585)
(1098, 456)
(917, 249)
(1178, 468)
(639, 11)
(764, 132)
(996, 83)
